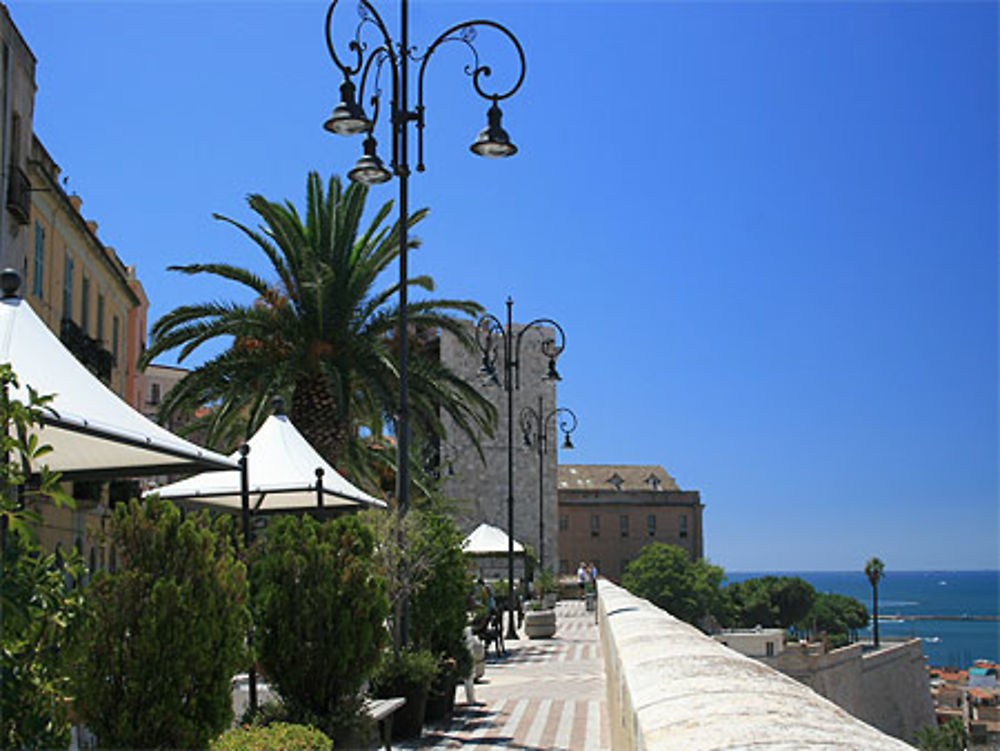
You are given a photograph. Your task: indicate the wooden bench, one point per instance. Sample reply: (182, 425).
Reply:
(381, 711)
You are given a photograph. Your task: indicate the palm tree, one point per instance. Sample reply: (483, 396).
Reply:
(318, 333)
(875, 571)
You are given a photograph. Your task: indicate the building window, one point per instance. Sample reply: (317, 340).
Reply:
(114, 338)
(39, 282)
(68, 288)
(651, 525)
(563, 522)
(595, 525)
(684, 525)
(624, 525)
(100, 317)
(769, 647)
(154, 393)
(85, 305)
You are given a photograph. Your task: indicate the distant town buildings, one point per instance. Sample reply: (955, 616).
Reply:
(609, 512)
(971, 696)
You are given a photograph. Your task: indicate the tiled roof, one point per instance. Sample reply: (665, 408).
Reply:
(622, 477)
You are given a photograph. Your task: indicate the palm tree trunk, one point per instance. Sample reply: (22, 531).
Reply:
(875, 612)
(316, 413)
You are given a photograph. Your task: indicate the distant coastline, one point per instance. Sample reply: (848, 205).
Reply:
(954, 613)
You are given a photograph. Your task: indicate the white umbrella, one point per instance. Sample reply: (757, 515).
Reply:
(94, 434)
(489, 540)
(284, 473)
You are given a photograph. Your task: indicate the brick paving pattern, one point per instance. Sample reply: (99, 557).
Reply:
(545, 694)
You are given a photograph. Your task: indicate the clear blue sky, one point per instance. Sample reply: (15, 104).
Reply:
(769, 229)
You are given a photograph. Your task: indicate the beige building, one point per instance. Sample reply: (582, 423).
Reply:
(609, 512)
(153, 385)
(17, 107)
(753, 642)
(77, 284)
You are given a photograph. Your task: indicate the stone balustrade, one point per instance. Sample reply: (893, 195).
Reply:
(671, 687)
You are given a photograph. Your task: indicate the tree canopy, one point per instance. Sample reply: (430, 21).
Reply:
(666, 576)
(770, 601)
(319, 333)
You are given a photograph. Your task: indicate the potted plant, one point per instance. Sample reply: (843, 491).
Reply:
(408, 674)
(452, 669)
(547, 587)
(540, 620)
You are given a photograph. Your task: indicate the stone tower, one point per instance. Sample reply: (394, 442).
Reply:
(480, 483)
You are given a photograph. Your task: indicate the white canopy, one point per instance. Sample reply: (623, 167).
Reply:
(94, 433)
(281, 472)
(489, 540)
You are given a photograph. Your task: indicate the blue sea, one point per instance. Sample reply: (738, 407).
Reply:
(904, 593)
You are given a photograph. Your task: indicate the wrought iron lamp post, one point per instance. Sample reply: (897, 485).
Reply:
(350, 118)
(497, 341)
(535, 428)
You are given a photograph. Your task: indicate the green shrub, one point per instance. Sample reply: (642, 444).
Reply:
(402, 673)
(438, 610)
(280, 736)
(320, 609)
(40, 599)
(163, 635)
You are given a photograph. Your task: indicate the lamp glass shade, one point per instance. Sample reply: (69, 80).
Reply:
(348, 117)
(493, 141)
(347, 120)
(369, 171)
(568, 444)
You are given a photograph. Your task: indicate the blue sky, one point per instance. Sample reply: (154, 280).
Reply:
(769, 229)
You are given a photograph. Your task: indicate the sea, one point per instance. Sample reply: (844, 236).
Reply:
(903, 593)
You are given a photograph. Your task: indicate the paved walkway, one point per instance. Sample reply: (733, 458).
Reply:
(545, 694)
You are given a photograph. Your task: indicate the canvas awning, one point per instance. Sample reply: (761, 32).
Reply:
(94, 434)
(489, 540)
(282, 477)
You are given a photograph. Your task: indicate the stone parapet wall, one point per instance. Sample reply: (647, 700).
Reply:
(672, 687)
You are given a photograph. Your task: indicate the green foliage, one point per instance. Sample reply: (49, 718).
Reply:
(438, 608)
(279, 735)
(165, 633)
(320, 333)
(320, 607)
(951, 736)
(40, 598)
(545, 582)
(404, 672)
(837, 615)
(666, 576)
(875, 571)
(769, 601)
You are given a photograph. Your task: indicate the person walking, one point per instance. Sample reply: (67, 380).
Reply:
(581, 579)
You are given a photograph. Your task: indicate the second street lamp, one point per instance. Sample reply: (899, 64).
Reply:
(499, 342)
(535, 428)
(349, 118)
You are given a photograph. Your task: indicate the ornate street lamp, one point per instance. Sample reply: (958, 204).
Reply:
(499, 342)
(535, 429)
(350, 118)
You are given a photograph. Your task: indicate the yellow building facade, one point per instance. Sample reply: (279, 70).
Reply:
(78, 285)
